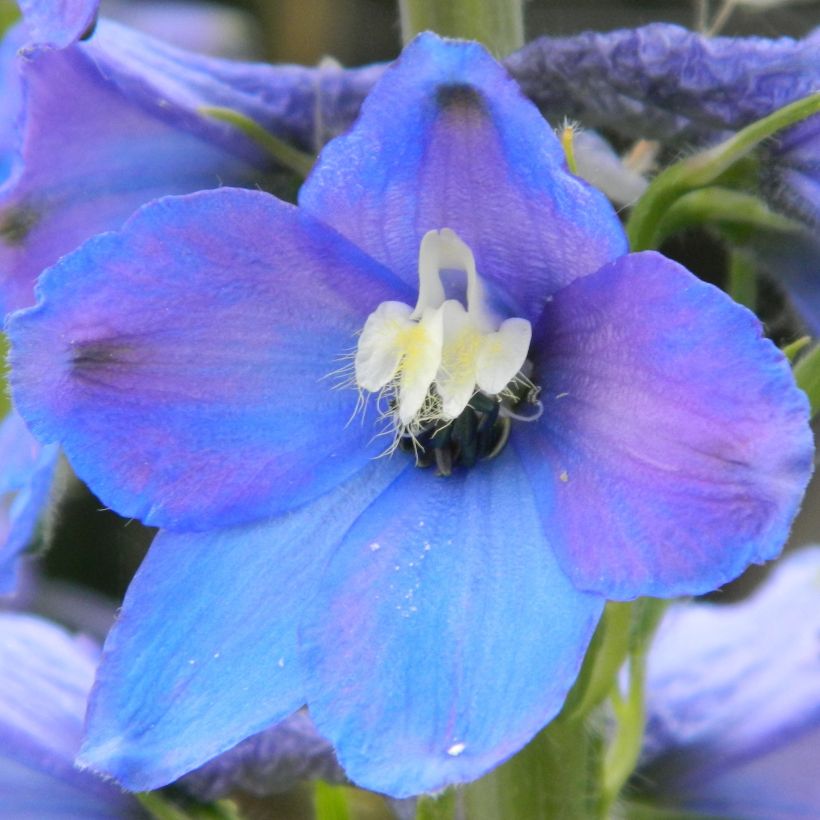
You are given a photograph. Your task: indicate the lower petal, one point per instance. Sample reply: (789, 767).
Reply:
(674, 447)
(444, 635)
(204, 653)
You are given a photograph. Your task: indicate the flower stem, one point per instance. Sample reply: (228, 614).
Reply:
(556, 776)
(704, 168)
(286, 155)
(498, 24)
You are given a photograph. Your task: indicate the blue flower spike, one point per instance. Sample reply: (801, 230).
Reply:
(268, 383)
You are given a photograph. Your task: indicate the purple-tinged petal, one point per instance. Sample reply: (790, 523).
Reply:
(792, 169)
(663, 81)
(272, 761)
(444, 635)
(446, 140)
(58, 23)
(670, 416)
(204, 653)
(26, 477)
(186, 364)
(110, 124)
(733, 695)
(46, 676)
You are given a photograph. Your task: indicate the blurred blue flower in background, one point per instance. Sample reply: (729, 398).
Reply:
(47, 675)
(603, 425)
(26, 481)
(733, 695)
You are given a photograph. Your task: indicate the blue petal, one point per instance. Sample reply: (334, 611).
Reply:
(204, 653)
(110, 124)
(58, 23)
(446, 140)
(186, 363)
(444, 635)
(734, 712)
(674, 447)
(26, 477)
(43, 689)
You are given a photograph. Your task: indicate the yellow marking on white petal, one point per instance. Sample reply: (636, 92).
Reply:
(427, 362)
(564, 476)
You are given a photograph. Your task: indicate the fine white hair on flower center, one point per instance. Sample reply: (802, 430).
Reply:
(429, 361)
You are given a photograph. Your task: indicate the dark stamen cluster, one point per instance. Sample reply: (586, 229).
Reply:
(480, 432)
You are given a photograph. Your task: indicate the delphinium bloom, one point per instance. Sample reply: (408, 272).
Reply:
(734, 703)
(402, 441)
(47, 676)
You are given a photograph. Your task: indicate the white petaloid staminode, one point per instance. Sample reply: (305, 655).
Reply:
(434, 357)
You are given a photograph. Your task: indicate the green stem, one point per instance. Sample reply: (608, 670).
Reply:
(623, 752)
(730, 209)
(555, 777)
(286, 155)
(498, 24)
(704, 168)
(807, 375)
(742, 285)
(440, 807)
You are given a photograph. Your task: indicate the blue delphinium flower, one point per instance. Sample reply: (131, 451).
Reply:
(734, 703)
(47, 675)
(600, 425)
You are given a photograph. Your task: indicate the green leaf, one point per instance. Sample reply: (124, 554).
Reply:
(704, 169)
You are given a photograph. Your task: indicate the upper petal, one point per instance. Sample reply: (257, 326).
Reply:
(204, 653)
(183, 363)
(674, 446)
(444, 634)
(446, 140)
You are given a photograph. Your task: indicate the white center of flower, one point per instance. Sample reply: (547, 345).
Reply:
(430, 360)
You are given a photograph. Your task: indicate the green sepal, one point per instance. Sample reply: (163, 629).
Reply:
(704, 169)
